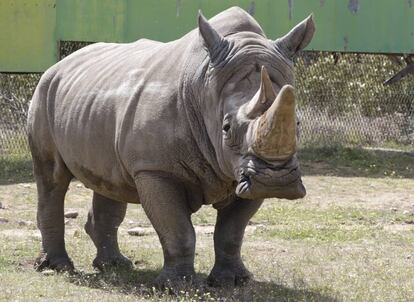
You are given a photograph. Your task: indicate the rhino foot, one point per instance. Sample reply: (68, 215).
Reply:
(59, 264)
(229, 276)
(118, 262)
(175, 278)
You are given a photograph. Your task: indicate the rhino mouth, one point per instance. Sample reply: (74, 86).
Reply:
(259, 179)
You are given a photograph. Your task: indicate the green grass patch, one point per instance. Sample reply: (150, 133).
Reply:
(345, 161)
(286, 214)
(320, 233)
(291, 222)
(16, 168)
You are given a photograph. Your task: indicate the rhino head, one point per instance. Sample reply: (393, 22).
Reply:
(251, 78)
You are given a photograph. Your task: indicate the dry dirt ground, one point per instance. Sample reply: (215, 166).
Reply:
(350, 239)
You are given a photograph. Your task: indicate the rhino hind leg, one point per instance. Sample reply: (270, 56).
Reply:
(104, 218)
(165, 203)
(52, 180)
(231, 223)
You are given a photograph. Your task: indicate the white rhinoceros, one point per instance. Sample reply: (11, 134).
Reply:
(206, 119)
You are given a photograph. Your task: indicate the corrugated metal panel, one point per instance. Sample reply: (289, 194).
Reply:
(27, 35)
(30, 29)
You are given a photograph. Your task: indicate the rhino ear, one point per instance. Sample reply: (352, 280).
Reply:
(212, 39)
(297, 39)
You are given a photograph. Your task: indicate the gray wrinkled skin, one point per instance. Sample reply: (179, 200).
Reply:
(164, 125)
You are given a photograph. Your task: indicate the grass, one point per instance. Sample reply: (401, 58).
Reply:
(333, 224)
(350, 239)
(362, 162)
(15, 168)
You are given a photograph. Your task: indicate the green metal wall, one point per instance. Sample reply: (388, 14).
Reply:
(30, 30)
(27, 35)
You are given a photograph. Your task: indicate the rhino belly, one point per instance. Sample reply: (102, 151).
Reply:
(110, 187)
(98, 169)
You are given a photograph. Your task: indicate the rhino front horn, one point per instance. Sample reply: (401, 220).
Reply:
(275, 130)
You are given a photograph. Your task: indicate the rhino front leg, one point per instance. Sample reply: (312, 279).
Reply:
(165, 203)
(231, 223)
(104, 218)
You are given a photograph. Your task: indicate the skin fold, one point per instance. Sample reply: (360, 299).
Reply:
(169, 126)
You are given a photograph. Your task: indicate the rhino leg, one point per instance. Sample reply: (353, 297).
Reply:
(231, 223)
(165, 203)
(52, 180)
(104, 218)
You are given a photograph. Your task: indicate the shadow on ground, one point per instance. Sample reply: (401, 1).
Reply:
(140, 283)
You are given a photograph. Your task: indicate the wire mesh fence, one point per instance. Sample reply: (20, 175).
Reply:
(15, 93)
(342, 101)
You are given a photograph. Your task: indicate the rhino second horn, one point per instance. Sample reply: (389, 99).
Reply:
(263, 98)
(275, 137)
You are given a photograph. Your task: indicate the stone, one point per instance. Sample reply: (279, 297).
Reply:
(3, 220)
(139, 231)
(25, 223)
(48, 272)
(71, 214)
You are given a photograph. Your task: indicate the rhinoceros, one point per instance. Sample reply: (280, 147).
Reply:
(205, 119)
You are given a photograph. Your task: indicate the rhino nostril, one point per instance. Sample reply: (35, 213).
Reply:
(244, 185)
(243, 176)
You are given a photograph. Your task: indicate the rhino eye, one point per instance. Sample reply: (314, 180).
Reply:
(226, 124)
(226, 127)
